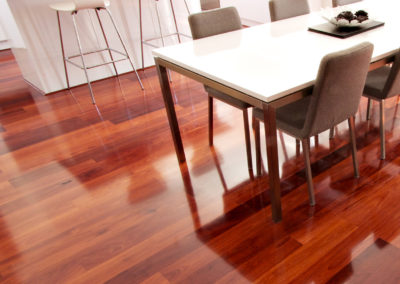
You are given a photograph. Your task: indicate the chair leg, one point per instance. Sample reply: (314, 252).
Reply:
(62, 49)
(297, 147)
(81, 55)
(247, 138)
(382, 128)
(253, 121)
(353, 146)
(256, 127)
(124, 47)
(331, 133)
(210, 121)
(306, 153)
(369, 105)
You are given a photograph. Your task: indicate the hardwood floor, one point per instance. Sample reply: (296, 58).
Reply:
(95, 194)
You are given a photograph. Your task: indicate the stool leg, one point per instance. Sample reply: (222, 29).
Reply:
(161, 33)
(81, 53)
(123, 45)
(176, 25)
(187, 7)
(159, 22)
(105, 39)
(62, 49)
(141, 31)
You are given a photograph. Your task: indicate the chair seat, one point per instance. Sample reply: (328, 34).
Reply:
(291, 117)
(79, 5)
(225, 98)
(375, 82)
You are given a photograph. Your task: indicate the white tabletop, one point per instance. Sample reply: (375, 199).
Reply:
(273, 60)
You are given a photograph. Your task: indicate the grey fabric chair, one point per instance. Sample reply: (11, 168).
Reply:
(335, 98)
(209, 23)
(336, 3)
(381, 84)
(209, 4)
(283, 9)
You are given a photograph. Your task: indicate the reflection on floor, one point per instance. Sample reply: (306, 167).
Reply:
(93, 194)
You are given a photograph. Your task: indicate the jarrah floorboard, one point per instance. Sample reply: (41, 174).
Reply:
(95, 194)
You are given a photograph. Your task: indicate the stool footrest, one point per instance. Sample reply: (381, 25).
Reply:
(68, 59)
(164, 36)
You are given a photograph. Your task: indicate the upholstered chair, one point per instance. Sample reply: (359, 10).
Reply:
(336, 3)
(335, 98)
(209, 23)
(209, 4)
(381, 84)
(283, 9)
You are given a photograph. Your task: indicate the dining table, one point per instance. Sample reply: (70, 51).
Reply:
(271, 65)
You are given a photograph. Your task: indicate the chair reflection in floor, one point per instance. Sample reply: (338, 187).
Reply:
(327, 106)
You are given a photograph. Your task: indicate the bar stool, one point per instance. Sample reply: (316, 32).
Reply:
(73, 7)
(162, 36)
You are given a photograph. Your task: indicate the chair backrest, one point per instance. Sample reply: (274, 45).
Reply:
(336, 3)
(392, 85)
(214, 22)
(283, 9)
(338, 88)
(209, 4)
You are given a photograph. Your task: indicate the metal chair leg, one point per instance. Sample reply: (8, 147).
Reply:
(369, 105)
(382, 128)
(210, 121)
(256, 127)
(331, 133)
(306, 153)
(247, 138)
(62, 50)
(81, 55)
(123, 45)
(353, 146)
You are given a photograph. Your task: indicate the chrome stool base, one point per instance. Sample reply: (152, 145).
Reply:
(162, 36)
(83, 65)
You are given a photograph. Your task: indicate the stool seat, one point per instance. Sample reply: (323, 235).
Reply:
(76, 5)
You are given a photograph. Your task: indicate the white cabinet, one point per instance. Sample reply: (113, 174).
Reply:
(4, 43)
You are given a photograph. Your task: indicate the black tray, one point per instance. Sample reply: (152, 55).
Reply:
(332, 30)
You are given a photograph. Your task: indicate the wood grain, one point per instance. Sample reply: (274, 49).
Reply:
(96, 195)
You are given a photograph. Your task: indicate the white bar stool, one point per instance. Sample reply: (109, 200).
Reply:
(162, 36)
(73, 7)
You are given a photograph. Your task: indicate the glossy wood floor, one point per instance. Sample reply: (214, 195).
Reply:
(95, 194)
